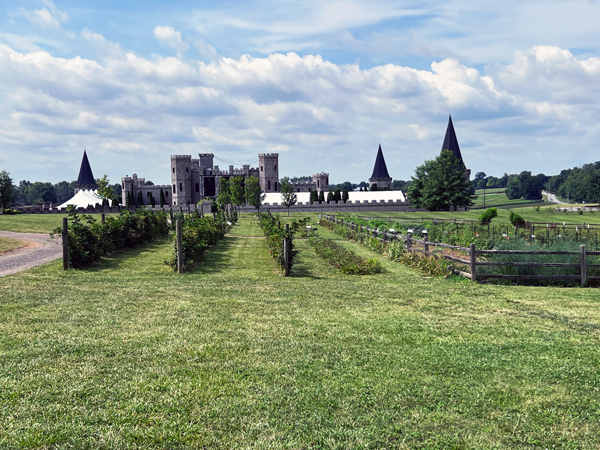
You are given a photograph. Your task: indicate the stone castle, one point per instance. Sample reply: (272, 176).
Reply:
(193, 180)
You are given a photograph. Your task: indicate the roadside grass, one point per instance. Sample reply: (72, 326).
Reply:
(130, 355)
(7, 244)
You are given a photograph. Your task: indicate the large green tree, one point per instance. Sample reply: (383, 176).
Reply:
(288, 195)
(254, 195)
(224, 197)
(441, 184)
(236, 188)
(104, 188)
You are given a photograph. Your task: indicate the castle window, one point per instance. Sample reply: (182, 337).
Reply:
(269, 185)
(174, 189)
(180, 187)
(318, 183)
(261, 168)
(298, 189)
(276, 185)
(122, 185)
(187, 169)
(197, 187)
(275, 168)
(173, 169)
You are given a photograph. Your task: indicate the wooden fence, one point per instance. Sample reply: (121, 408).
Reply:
(470, 259)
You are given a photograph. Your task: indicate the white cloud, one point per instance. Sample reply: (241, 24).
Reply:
(319, 115)
(169, 37)
(50, 17)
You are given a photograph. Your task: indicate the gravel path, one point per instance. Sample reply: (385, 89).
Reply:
(41, 249)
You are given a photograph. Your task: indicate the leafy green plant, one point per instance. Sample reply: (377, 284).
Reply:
(516, 220)
(275, 234)
(343, 259)
(488, 215)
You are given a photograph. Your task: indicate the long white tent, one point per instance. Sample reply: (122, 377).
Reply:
(82, 199)
(273, 198)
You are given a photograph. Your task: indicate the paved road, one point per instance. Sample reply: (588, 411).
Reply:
(41, 249)
(552, 198)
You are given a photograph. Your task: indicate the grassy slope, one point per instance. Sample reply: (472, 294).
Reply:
(497, 197)
(33, 223)
(7, 244)
(130, 355)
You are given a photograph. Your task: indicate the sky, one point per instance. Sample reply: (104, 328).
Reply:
(322, 83)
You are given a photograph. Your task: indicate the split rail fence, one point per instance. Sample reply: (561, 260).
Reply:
(470, 261)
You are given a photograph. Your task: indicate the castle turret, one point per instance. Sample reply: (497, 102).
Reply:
(181, 180)
(86, 178)
(321, 181)
(268, 174)
(380, 177)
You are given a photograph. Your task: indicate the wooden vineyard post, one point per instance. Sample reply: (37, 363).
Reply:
(65, 243)
(426, 245)
(103, 217)
(473, 252)
(583, 264)
(179, 249)
(286, 251)
(408, 241)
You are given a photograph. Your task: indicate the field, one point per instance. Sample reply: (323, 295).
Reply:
(497, 197)
(128, 354)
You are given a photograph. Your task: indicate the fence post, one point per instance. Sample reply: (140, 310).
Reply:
(583, 264)
(103, 217)
(426, 243)
(286, 252)
(179, 249)
(65, 242)
(473, 254)
(408, 241)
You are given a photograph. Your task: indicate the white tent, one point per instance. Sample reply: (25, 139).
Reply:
(82, 199)
(354, 196)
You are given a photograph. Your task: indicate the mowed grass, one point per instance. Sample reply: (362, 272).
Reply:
(128, 354)
(497, 197)
(33, 223)
(7, 244)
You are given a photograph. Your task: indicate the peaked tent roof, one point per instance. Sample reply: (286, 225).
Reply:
(82, 199)
(85, 172)
(380, 169)
(450, 141)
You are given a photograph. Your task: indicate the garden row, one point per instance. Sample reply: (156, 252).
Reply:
(562, 262)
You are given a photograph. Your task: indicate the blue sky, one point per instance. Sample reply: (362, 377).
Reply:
(320, 82)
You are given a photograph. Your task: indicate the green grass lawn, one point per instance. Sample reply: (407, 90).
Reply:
(33, 223)
(497, 197)
(128, 354)
(7, 244)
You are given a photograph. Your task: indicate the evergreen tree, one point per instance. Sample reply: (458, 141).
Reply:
(337, 196)
(7, 190)
(321, 197)
(152, 201)
(140, 199)
(162, 198)
(329, 197)
(344, 196)
(440, 184)
(128, 199)
(224, 197)
(374, 187)
(115, 202)
(254, 196)
(288, 195)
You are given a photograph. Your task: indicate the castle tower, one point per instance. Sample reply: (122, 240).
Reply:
(321, 181)
(181, 179)
(206, 160)
(86, 178)
(380, 178)
(268, 172)
(451, 143)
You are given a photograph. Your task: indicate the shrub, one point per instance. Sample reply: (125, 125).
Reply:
(275, 235)
(517, 220)
(89, 240)
(488, 215)
(197, 236)
(343, 259)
